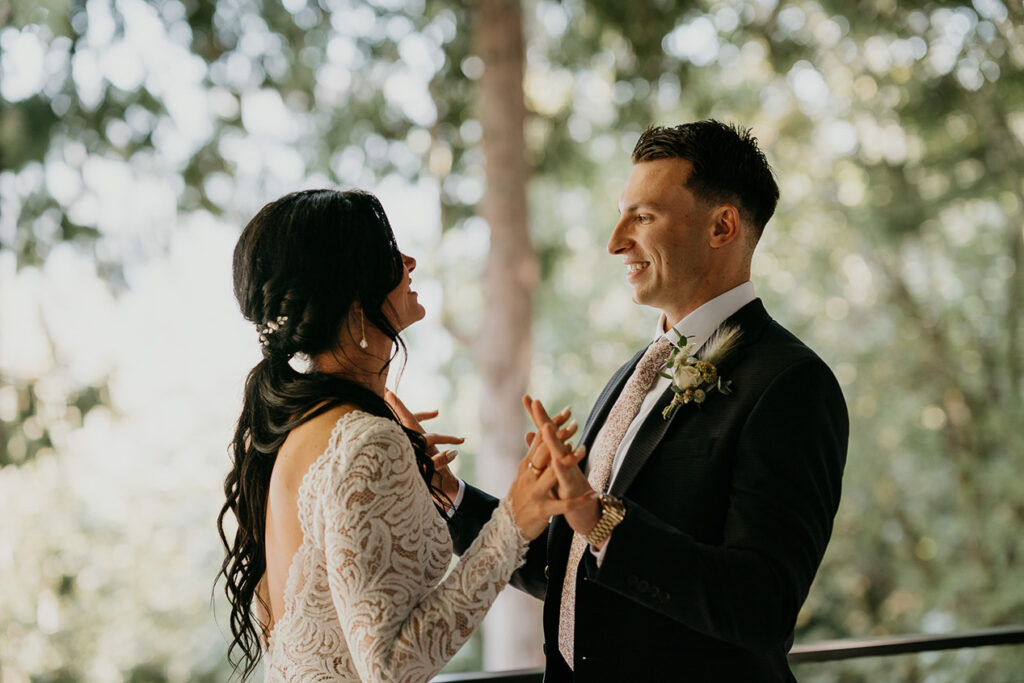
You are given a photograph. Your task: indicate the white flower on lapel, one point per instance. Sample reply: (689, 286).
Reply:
(685, 376)
(693, 378)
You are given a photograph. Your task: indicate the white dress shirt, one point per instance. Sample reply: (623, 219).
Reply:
(698, 326)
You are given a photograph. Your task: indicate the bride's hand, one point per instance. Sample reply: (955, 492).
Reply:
(532, 494)
(443, 474)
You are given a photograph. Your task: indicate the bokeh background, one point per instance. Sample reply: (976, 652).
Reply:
(137, 138)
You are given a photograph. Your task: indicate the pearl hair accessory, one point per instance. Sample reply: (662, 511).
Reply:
(270, 327)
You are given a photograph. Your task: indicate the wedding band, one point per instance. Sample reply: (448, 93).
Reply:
(533, 468)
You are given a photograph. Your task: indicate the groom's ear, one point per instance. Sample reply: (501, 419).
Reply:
(725, 226)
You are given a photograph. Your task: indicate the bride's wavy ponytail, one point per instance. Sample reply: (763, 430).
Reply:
(299, 266)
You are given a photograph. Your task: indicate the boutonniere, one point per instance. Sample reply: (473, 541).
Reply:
(694, 378)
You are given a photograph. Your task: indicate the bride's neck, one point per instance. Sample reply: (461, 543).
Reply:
(363, 366)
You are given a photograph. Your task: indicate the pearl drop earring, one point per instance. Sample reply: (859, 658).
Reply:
(362, 327)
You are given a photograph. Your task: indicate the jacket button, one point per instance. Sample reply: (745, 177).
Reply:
(643, 585)
(665, 597)
(632, 581)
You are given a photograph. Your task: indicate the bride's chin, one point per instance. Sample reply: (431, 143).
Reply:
(414, 316)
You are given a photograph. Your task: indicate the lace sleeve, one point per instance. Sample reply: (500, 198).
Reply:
(399, 625)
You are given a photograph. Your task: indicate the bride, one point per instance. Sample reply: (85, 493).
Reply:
(336, 571)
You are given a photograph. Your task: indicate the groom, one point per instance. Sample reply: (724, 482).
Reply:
(694, 562)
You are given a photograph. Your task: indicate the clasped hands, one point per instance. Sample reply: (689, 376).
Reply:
(548, 480)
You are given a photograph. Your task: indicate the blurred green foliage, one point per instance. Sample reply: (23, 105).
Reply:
(897, 133)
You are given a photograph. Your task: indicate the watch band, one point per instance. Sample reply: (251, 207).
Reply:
(612, 512)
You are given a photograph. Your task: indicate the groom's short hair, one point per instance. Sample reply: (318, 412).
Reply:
(728, 166)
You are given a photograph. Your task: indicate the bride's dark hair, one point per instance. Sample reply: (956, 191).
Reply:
(300, 264)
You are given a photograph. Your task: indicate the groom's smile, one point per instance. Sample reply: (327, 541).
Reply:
(663, 235)
(634, 268)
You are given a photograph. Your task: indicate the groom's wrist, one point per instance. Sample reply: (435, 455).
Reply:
(611, 513)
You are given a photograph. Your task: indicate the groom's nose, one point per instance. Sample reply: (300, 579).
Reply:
(620, 240)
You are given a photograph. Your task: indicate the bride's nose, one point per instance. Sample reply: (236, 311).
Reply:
(409, 262)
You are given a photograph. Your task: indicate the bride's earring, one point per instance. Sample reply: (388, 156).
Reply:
(362, 329)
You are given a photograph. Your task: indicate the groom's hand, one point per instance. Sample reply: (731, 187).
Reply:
(572, 483)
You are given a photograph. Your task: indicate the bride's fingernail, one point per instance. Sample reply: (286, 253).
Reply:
(452, 453)
(571, 425)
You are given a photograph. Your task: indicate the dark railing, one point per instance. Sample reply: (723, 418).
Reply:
(817, 652)
(903, 645)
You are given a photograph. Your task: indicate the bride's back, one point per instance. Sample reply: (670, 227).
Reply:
(301, 448)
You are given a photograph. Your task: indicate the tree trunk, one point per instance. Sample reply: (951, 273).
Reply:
(512, 631)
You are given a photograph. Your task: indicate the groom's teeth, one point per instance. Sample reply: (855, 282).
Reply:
(635, 267)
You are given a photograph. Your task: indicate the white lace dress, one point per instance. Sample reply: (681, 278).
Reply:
(364, 599)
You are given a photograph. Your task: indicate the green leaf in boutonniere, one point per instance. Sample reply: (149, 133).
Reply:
(694, 378)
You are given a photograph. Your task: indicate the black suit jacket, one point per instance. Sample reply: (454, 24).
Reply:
(729, 507)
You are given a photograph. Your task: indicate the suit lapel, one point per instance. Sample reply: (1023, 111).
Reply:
(751, 319)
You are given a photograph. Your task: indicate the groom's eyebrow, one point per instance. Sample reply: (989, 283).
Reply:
(635, 206)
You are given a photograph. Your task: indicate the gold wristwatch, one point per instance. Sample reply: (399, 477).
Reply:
(612, 512)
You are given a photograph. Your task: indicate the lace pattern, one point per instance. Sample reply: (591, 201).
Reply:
(364, 599)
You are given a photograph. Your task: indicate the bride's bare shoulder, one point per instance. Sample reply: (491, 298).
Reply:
(306, 443)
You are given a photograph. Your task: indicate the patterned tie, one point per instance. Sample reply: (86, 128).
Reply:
(601, 456)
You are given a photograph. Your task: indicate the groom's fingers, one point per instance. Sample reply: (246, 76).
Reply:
(560, 507)
(559, 419)
(551, 440)
(570, 478)
(563, 433)
(539, 413)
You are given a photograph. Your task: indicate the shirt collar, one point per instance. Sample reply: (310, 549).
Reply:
(700, 324)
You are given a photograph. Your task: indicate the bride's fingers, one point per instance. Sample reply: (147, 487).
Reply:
(405, 416)
(531, 452)
(567, 431)
(444, 458)
(542, 454)
(426, 415)
(434, 439)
